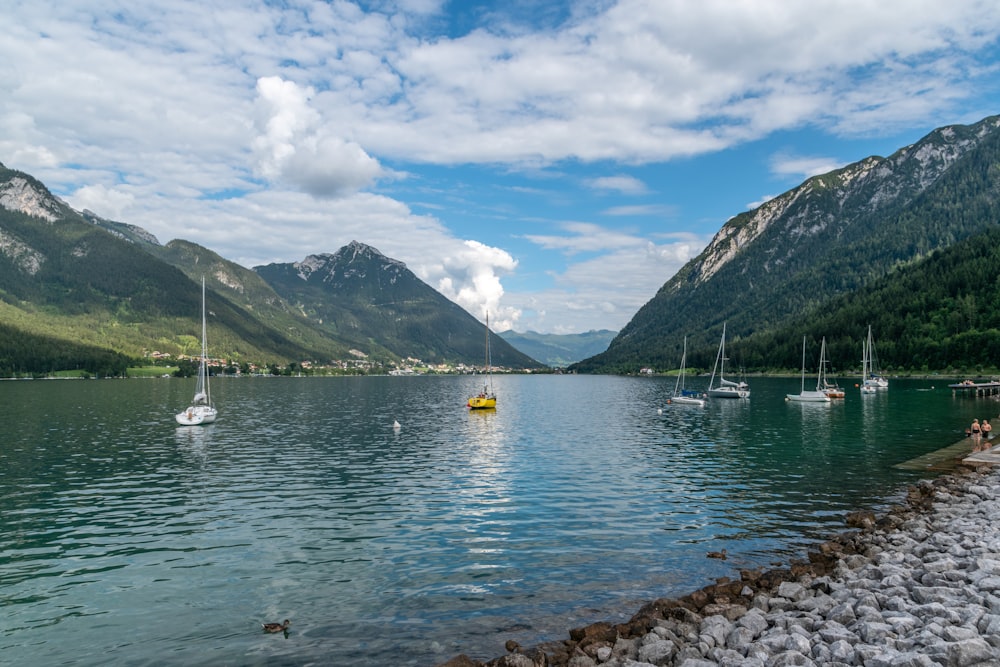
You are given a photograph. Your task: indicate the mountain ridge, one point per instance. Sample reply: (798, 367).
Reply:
(831, 235)
(78, 278)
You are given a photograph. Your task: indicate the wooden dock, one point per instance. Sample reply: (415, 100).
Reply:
(990, 388)
(948, 457)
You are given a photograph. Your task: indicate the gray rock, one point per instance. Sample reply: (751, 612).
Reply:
(841, 651)
(971, 652)
(696, 662)
(793, 590)
(717, 628)
(789, 658)
(739, 638)
(843, 613)
(833, 632)
(874, 632)
(754, 621)
(658, 652)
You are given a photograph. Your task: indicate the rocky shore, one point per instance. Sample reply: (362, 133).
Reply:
(919, 586)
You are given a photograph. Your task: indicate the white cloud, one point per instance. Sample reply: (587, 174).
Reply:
(585, 237)
(802, 167)
(760, 202)
(295, 146)
(264, 130)
(647, 210)
(623, 184)
(112, 203)
(470, 275)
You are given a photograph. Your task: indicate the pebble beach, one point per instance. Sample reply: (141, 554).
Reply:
(919, 586)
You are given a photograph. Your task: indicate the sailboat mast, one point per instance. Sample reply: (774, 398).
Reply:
(489, 360)
(203, 371)
(803, 388)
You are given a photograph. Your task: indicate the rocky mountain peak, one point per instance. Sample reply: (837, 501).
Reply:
(837, 198)
(25, 195)
(353, 260)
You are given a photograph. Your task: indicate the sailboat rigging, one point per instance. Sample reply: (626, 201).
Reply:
(486, 399)
(810, 395)
(725, 388)
(870, 377)
(201, 410)
(682, 395)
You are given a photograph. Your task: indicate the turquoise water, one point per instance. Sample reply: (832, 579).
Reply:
(128, 540)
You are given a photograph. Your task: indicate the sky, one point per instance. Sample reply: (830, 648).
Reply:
(550, 163)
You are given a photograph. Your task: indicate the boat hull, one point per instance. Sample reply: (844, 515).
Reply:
(729, 392)
(482, 403)
(686, 400)
(196, 415)
(808, 397)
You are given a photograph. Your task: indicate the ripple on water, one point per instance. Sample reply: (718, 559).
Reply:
(143, 543)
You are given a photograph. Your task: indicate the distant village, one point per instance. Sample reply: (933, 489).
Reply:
(360, 364)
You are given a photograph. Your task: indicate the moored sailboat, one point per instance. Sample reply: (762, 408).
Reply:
(809, 395)
(871, 379)
(486, 399)
(201, 411)
(681, 395)
(725, 388)
(831, 389)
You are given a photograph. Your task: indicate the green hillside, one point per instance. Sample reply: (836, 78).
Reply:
(941, 313)
(770, 269)
(360, 295)
(80, 291)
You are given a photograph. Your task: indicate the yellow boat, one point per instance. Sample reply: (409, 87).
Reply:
(483, 401)
(486, 399)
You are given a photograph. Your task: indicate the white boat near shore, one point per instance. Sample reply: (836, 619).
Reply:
(871, 379)
(681, 395)
(809, 395)
(725, 388)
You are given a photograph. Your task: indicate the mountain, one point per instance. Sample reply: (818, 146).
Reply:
(941, 312)
(77, 290)
(249, 291)
(65, 278)
(766, 269)
(559, 350)
(358, 294)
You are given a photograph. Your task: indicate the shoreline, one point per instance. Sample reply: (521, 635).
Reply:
(918, 586)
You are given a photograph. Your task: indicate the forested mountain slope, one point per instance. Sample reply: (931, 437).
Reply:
(358, 294)
(79, 291)
(768, 268)
(939, 313)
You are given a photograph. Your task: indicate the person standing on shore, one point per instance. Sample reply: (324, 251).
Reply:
(986, 428)
(977, 436)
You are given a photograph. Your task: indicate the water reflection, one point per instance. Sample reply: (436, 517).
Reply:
(456, 526)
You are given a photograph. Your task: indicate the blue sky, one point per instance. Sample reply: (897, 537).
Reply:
(554, 163)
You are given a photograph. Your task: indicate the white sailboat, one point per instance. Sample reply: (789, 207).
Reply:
(831, 389)
(871, 379)
(681, 395)
(201, 410)
(809, 395)
(725, 388)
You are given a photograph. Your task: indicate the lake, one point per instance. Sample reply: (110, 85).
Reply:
(126, 539)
